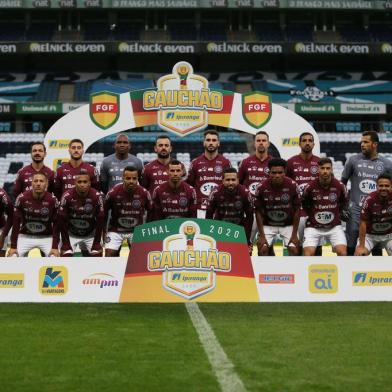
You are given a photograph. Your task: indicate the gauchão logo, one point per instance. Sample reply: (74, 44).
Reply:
(372, 278)
(189, 261)
(53, 280)
(323, 278)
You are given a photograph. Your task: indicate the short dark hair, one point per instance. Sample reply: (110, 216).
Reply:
(122, 135)
(373, 136)
(130, 169)
(41, 174)
(162, 137)
(305, 134)
(230, 170)
(75, 141)
(384, 176)
(210, 132)
(83, 172)
(324, 161)
(261, 133)
(175, 162)
(39, 144)
(274, 162)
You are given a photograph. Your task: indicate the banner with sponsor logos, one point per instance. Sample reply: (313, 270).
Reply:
(176, 260)
(182, 103)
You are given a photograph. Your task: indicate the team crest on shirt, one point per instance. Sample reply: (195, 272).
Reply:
(256, 108)
(218, 169)
(88, 207)
(379, 167)
(332, 197)
(314, 169)
(183, 202)
(285, 197)
(136, 204)
(44, 211)
(104, 109)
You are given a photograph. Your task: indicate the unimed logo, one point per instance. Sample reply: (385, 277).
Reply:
(323, 278)
(53, 280)
(277, 278)
(372, 278)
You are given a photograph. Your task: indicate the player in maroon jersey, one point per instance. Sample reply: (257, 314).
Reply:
(127, 203)
(174, 198)
(231, 202)
(375, 225)
(206, 171)
(35, 220)
(6, 213)
(277, 209)
(155, 172)
(67, 172)
(324, 200)
(81, 216)
(303, 168)
(25, 175)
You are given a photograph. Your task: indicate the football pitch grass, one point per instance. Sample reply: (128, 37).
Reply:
(155, 347)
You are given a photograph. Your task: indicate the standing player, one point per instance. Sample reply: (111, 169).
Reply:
(6, 208)
(277, 203)
(81, 216)
(67, 172)
(231, 202)
(156, 172)
(324, 200)
(362, 171)
(206, 171)
(127, 203)
(113, 165)
(174, 198)
(303, 168)
(376, 219)
(25, 175)
(35, 220)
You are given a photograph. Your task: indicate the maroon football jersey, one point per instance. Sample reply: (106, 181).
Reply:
(235, 207)
(6, 208)
(24, 179)
(205, 175)
(66, 174)
(127, 208)
(155, 173)
(323, 205)
(302, 171)
(81, 215)
(377, 214)
(37, 217)
(278, 204)
(253, 171)
(174, 203)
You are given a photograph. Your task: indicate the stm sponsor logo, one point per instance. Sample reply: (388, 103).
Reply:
(315, 48)
(11, 281)
(53, 280)
(290, 142)
(277, 278)
(323, 278)
(101, 280)
(372, 278)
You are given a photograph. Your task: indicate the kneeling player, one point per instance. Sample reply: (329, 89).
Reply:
(81, 216)
(34, 220)
(324, 200)
(126, 204)
(277, 210)
(375, 225)
(231, 202)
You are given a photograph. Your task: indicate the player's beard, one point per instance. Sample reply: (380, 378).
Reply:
(163, 156)
(39, 160)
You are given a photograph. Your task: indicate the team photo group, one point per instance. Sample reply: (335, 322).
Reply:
(80, 209)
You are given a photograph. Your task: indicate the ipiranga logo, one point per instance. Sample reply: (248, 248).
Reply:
(189, 261)
(372, 278)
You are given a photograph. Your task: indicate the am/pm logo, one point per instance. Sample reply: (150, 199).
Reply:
(372, 278)
(101, 280)
(53, 280)
(277, 278)
(323, 278)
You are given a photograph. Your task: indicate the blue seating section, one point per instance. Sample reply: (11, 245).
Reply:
(182, 32)
(47, 92)
(348, 126)
(213, 31)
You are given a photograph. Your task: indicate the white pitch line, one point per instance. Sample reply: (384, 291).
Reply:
(221, 364)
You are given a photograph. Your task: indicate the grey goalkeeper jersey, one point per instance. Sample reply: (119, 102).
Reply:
(362, 172)
(112, 170)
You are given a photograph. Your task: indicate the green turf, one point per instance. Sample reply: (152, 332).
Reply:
(307, 347)
(136, 347)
